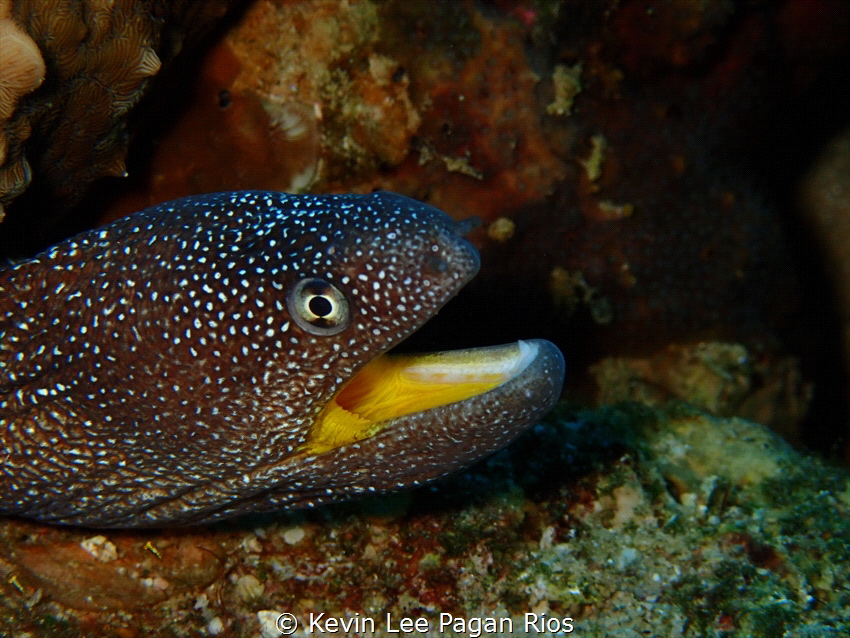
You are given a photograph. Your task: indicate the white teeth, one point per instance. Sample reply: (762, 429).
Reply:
(479, 364)
(527, 353)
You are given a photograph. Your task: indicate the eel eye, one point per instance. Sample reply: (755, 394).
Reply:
(318, 307)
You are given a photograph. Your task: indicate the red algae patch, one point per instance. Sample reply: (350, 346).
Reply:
(307, 96)
(85, 570)
(294, 97)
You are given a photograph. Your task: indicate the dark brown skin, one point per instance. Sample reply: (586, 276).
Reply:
(166, 369)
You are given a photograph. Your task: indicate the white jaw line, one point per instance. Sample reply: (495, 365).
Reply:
(501, 363)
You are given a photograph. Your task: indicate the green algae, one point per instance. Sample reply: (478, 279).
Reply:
(753, 540)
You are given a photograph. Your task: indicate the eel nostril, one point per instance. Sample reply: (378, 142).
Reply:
(436, 264)
(465, 226)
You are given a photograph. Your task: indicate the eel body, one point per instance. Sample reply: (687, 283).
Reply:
(224, 354)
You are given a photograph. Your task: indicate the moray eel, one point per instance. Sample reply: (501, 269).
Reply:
(224, 354)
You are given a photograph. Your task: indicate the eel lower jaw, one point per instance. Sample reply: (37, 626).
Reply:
(392, 388)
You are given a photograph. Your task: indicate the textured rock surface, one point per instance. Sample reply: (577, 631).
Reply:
(648, 206)
(624, 519)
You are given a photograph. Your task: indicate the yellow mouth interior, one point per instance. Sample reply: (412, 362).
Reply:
(391, 386)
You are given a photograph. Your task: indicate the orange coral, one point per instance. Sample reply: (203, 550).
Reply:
(96, 57)
(22, 72)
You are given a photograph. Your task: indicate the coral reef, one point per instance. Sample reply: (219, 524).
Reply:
(297, 90)
(720, 378)
(326, 96)
(92, 61)
(99, 56)
(635, 165)
(22, 71)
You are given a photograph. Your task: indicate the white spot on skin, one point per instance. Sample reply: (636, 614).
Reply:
(214, 247)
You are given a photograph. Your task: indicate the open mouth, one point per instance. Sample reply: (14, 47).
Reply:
(392, 386)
